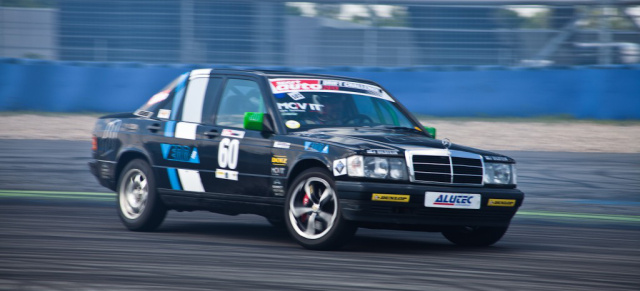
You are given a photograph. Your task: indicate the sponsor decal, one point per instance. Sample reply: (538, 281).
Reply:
(143, 113)
(316, 147)
(496, 158)
(278, 171)
(299, 107)
(295, 95)
(164, 113)
(382, 152)
(372, 90)
(158, 97)
(279, 86)
(305, 85)
(281, 145)
(233, 133)
(340, 167)
(502, 202)
(226, 174)
(180, 153)
(277, 187)
(279, 160)
(452, 200)
(292, 124)
(390, 197)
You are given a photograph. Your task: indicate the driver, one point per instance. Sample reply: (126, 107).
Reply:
(333, 109)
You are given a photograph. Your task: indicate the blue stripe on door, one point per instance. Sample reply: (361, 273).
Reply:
(173, 179)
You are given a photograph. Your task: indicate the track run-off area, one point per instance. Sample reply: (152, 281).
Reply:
(579, 229)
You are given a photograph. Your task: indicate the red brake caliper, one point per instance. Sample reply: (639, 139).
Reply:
(305, 201)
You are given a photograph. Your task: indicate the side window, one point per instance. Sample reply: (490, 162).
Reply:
(239, 96)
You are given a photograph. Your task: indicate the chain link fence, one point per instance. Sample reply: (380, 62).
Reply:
(324, 33)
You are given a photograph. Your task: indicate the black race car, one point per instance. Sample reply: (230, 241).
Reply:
(320, 155)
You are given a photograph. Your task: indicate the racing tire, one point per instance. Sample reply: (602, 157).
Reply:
(312, 212)
(475, 236)
(139, 207)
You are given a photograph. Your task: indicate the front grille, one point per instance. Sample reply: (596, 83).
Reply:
(447, 169)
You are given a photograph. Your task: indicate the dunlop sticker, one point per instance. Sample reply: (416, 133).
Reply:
(390, 197)
(502, 202)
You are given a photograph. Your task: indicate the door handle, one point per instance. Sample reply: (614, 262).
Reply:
(211, 133)
(154, 127)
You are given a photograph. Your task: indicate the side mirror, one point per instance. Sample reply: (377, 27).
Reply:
(258, 121)
(431, 131)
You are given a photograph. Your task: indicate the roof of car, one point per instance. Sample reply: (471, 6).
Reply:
(288, 74)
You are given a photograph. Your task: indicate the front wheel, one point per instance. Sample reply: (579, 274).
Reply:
(139, 207)
(312, 212)
(475, 236)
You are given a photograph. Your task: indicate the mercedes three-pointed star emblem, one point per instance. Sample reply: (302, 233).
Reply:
(446, 143)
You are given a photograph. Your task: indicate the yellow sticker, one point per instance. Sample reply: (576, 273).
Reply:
(502, 202)
(279, 160)
(390, 197)
(292, 124)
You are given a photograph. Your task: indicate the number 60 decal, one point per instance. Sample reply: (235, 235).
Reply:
(228, 153)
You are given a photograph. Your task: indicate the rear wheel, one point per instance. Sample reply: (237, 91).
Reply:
(312, 212)
(139, 207)
(475, 236)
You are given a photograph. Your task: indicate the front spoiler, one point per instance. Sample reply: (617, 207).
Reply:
(357, 206)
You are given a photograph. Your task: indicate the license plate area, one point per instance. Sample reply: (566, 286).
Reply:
(452, 200)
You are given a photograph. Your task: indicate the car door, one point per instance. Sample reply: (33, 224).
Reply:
(173, 142)
(240, 158)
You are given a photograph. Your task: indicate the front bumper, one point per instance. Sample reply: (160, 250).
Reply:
(357, 205)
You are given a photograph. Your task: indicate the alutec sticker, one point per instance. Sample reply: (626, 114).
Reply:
(452, 200)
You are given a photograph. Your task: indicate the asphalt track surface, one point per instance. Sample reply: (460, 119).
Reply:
(578, 230)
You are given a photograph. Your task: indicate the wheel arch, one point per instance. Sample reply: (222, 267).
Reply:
(127, 156)
(305, 164)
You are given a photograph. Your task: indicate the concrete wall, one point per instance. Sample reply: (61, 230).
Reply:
(611, 92)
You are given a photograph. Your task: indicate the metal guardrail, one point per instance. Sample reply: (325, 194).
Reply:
(318, 33)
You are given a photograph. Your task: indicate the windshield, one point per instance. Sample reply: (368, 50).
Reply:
(310, 103)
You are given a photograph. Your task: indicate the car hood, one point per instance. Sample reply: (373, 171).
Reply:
(359, 139)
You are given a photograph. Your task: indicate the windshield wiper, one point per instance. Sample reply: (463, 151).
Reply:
(401, 128)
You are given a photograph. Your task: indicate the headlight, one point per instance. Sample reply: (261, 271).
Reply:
(499, 173)
(377, 167)
(397, 169)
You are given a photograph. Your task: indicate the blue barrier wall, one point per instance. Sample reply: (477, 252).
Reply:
(600, 92)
